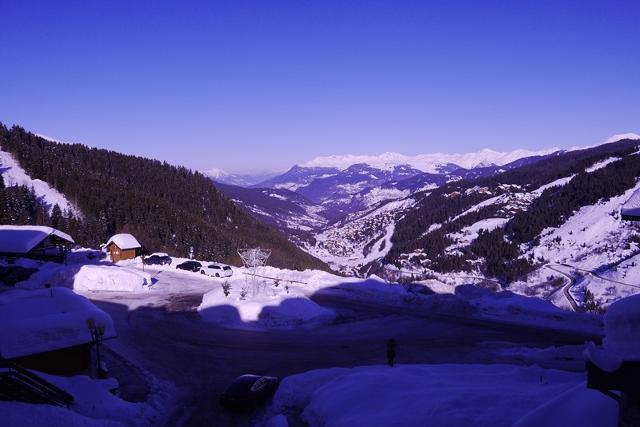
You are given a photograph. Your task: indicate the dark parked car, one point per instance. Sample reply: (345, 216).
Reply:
(190, 266)
(247, 391)
(157, 260)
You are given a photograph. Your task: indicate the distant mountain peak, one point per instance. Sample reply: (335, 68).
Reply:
(215, 173)
(243, 180)
(425, 162)
(621, 136)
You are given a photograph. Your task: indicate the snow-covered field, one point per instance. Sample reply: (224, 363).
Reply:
(439, 395)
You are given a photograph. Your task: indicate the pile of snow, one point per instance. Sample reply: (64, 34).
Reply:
(622, 328)
(13, 174)
(509, 307)
(262, 307)
(94, 405)
(114, 279)
(86, 277)
(37, 321)
(622, 341)
(439, 395)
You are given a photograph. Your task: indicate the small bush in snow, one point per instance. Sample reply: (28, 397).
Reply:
(226, 288)
(286, 288)
(276, 282)
(244, 292)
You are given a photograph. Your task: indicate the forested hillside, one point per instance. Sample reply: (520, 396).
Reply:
(426, 236)
(167, 208)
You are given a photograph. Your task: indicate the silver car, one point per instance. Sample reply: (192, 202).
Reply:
(217, 270)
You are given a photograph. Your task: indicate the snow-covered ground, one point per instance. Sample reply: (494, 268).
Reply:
(442, 394)
(94, 405)
(261, 302)
(439, 395)
(279, 298)
(83, 277)
(13, 174)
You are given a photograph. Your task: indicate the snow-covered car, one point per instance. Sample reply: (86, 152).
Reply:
(247, 391)
(217, 270)
(194, 266)
(157, 259)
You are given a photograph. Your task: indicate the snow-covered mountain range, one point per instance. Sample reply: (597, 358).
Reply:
(430, 163)
(243, 180)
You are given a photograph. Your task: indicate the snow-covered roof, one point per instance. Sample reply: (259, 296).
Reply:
(124, 241)
(631, 208)
(37, 321)
(20, 239)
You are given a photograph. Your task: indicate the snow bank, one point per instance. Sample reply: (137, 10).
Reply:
(518, 309)
(296, 311)
(622, 340)
(296, 391)
(622, 327)
(460, 395)
(115, 279)
(273, 312)
(93, 278)
(259, 303)
(94, 405)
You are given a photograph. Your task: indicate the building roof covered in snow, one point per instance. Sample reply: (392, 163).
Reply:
(124, 241)
(43, 320)
(20, 239)
(630, 210)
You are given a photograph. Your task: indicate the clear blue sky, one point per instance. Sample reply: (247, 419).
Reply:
(261, 85)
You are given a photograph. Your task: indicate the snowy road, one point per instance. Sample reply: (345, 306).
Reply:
(566, 289)
(169, 340)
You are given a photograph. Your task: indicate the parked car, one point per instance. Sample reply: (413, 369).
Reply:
(194, 266)
(217, 270)
(157, 259)
(247, 391)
